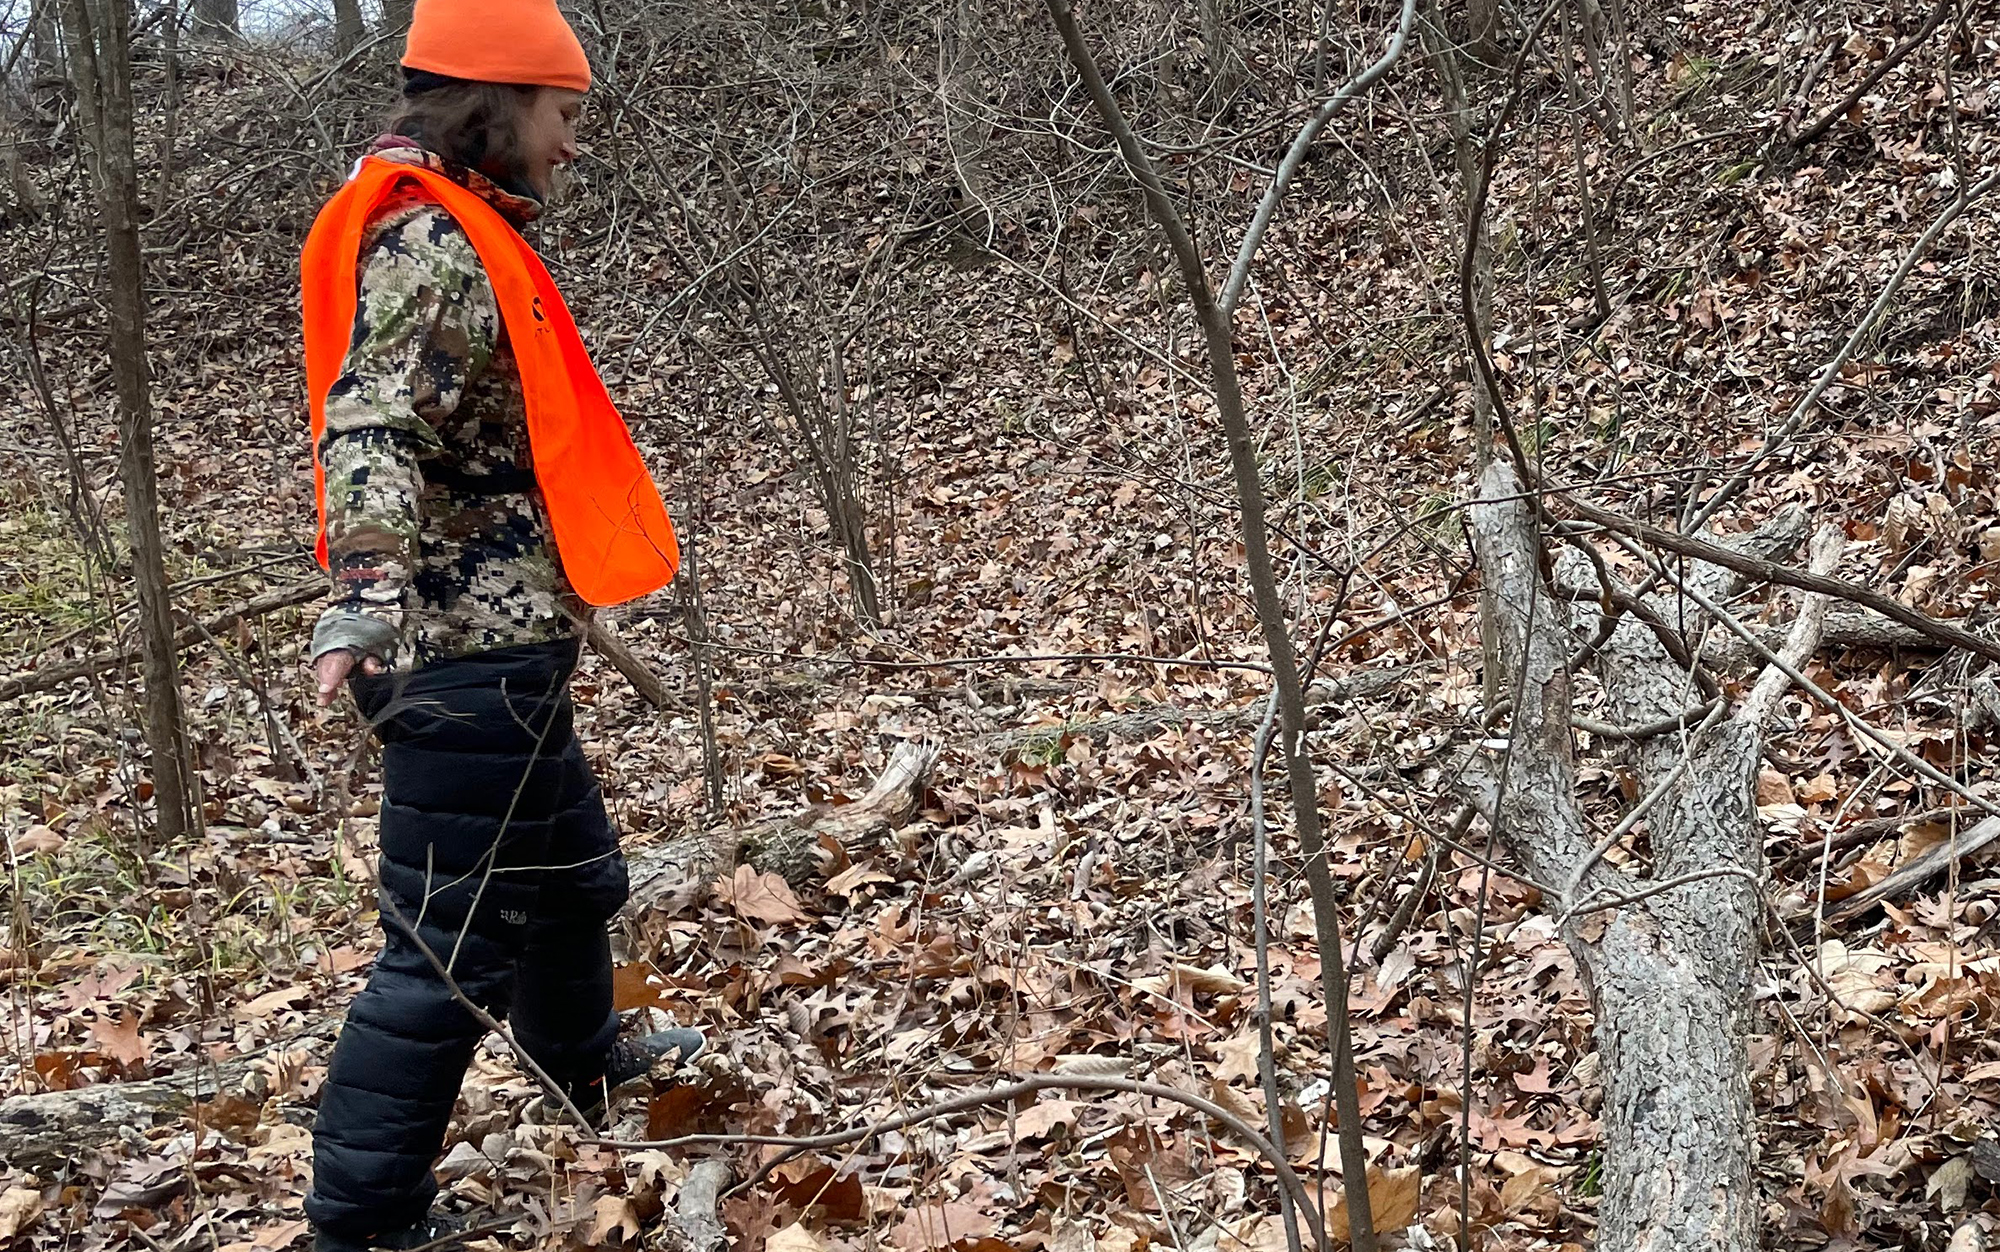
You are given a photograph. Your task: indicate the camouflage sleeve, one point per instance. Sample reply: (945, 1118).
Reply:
(424, 327)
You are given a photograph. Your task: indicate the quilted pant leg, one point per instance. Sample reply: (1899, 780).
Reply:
(476, 782)
(563, 1013)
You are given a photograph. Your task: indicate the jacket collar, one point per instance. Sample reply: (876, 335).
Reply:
(515, 205)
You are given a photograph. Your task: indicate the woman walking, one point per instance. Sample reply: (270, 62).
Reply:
(478, 493)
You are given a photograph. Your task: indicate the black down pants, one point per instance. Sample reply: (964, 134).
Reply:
(497, 850)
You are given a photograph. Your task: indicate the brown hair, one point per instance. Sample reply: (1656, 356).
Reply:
(474, 124)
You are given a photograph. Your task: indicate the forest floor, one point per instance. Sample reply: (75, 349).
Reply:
(1075, 894)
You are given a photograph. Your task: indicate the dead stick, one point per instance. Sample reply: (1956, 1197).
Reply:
(1896, 57)
(1789, 576)
(626, 662)
(256, 606)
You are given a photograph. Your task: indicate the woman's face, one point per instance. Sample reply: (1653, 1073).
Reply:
(548, 135)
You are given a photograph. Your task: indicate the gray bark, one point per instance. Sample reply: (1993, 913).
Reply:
(1670, 975)
(347, 26)
(396, 14)
(100, 59)
(217, 19)
(43, 1132)
(668, 873)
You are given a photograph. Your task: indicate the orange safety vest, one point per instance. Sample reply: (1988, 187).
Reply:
(611, 530)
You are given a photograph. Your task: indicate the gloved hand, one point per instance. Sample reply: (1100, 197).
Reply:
(333, 668)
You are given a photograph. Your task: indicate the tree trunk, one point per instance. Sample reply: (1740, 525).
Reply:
(50, 74)
(1670, 974)
(217, 19)
(396, 14)
(1482, 30)
(100, 60)
(347, 26)
(1226, 70)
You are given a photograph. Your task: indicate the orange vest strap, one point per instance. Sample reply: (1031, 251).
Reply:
(611, 530)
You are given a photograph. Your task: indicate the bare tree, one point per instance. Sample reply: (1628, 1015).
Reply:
(100, 61)
(217, 19)
(1669, 958)
(347, 26)
(1214, 310)
(396, 14)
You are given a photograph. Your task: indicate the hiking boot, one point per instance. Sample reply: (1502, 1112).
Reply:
(633, 1058)
(425, 1231)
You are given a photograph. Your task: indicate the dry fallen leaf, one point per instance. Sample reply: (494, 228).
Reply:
(794, 1238)
(760, 897)
(1949, 1183)
(118, 1038)
(271, 1001)
(613, 1214)
(1392, 1200)
(1213, 981)
(1072, 1236)
(1039, 1119)
(1239, 1057)
(19, 1208)
(940, 1226)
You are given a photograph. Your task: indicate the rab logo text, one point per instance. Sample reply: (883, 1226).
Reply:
(514, 917)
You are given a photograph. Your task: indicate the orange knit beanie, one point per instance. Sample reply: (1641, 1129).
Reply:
(497, 41)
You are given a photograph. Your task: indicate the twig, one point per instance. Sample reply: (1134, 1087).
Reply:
(1287, 1177)
(1896, 57)
(1269, 602)
(1595, 904)
(1649, 730)
(1239, 273)
(1778, 438)
(1632, 818)
(1847, 715)
(270, 601)
(615, 650)
(1267, 1050)
(1950, 852)
(457, 1237)
(1789, 576)
(1406, 910)
(483, 1017)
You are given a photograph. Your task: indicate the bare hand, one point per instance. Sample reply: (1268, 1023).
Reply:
(333, 668)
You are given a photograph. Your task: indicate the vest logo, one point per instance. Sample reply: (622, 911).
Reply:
(514, 917)
(535, 307)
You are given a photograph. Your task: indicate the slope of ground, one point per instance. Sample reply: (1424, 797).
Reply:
(922, 234)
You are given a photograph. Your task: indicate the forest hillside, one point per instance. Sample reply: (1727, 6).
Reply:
(1602, 438)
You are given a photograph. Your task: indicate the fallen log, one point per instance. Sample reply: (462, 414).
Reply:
(1920, 869)
(613, 649)
(695, 1225)
(1146, 722)
(41, 1132)
(668, 874)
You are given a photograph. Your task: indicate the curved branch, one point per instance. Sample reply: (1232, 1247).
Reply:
(1896, 57)
(1790, 576)
(1295, 156)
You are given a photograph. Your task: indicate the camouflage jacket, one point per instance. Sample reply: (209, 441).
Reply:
(437, 536)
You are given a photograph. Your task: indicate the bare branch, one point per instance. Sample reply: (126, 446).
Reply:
(1295, 156)
(1788, 576)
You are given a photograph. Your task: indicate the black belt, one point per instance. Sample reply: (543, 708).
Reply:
(504, 482)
